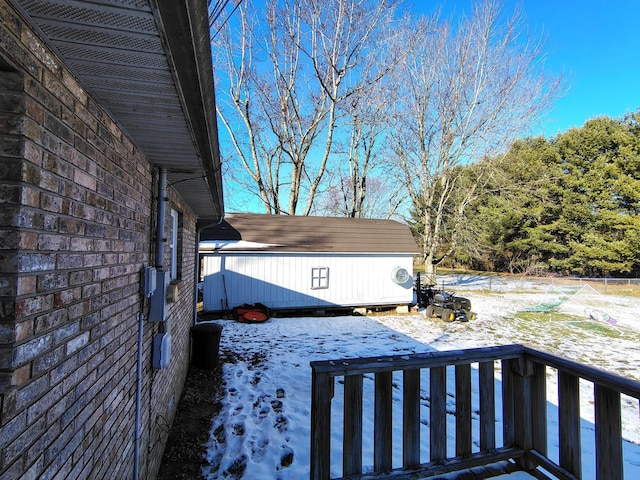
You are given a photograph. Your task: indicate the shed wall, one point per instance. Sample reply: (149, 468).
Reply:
(284, 280)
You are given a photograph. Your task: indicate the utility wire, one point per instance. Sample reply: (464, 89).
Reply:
(215, 14)
(216, 11)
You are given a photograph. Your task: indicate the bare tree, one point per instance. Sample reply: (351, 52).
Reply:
(464, 92)
(285, 88)
(362, 188)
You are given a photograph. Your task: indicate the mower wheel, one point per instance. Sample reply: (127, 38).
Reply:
(448, 315)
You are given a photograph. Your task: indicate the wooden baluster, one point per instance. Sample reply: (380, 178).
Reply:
(411, 419)
(382, 431)
(608, 434)
(321, 395)
(438, 413)
(487, 406)
(352, 427)
(508, 419)
(539, 408)
(463, 410)
(569, 419)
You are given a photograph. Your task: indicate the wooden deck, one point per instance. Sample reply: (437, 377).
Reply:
(519, 391)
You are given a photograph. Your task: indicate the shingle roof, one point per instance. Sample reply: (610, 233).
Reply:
(320, 234)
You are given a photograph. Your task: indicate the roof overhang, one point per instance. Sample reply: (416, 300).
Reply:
(148, 62)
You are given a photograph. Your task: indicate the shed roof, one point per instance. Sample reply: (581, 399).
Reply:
(319, 234)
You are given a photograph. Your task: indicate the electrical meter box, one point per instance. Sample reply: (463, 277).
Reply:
(159, 307)
(149, 278)
(161, 353)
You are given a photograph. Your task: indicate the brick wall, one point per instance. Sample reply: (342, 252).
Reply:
(77, 224)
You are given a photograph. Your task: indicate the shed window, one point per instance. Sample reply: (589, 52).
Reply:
(319, 277)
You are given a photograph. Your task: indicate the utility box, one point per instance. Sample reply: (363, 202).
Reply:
(161, 353)
(159, 307)
(149, 279)
(205, 343)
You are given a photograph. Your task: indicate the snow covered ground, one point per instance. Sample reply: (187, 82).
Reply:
(263, 430)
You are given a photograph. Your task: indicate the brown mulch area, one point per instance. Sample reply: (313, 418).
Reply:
(186, 446)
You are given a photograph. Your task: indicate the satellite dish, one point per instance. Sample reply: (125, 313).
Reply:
(399, 275)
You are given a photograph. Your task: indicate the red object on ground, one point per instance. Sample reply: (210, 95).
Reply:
(251, 313)
(254, 316)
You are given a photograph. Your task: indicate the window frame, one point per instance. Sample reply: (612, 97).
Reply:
(319, 278)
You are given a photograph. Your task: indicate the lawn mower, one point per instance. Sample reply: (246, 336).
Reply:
(443, 304)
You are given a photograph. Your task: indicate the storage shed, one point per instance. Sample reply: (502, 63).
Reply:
(303, 262)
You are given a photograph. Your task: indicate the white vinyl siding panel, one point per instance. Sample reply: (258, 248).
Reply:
(284, 280)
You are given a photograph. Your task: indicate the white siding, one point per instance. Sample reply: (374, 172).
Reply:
(284, 280)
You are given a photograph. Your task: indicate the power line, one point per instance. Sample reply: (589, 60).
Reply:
(217, 10)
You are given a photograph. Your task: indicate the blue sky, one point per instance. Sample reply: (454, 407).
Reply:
(594, 44)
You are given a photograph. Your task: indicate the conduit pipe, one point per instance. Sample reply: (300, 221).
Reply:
(162, 201)
(136, 460)
(196, 275)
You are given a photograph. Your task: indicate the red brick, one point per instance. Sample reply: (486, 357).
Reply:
(26, 285)
(24, 330)
(33, 153)
(67, 297)
(52, 281)
(28, 241)
(49, 320)
(84, 179)
(33, 305)
(21, 375)
(81, 244)
(53, 242)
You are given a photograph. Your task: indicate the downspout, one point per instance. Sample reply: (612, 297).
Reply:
(136, 461)
(196, 275)
(162, 199)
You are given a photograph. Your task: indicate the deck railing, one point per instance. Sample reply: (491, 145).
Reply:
(522, 397)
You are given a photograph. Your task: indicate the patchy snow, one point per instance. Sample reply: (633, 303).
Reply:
(263, 429)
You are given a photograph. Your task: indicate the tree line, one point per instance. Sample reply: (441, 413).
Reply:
(567, 205)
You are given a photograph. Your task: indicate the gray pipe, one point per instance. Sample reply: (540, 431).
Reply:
(196, 275)
(162, 201)
(136, 459)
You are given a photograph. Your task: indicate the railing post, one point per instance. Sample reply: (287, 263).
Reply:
(608, 434)
(569, 419)
(383, 423)
(523, 413)
(352, 428)
(411, 418)
(321, 395)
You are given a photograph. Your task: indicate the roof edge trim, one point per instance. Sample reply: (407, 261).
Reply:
(185, 32)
